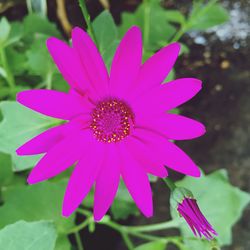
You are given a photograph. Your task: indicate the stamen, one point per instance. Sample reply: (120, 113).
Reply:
(112, 120)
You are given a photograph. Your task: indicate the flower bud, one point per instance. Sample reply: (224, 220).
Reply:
(178, 195)
(184, 202)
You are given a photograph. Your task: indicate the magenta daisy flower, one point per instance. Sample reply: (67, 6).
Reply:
(190, 211)
(117, 124)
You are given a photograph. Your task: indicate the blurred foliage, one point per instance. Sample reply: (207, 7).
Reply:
(23, 235)
(25, 64)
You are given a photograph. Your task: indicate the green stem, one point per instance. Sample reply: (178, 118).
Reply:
(198, 11)
(169, 183)
(86, 16)
(49, 80)
(154, 227)
(136, 231)
(127, 241)
(178, 34)
(78, 241)
(9, 77)
(147, 236)
(146, 22)
(122, 230)
(79, 227)
(84, 212)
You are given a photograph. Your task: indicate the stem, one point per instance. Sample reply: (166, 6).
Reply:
(121, 229)
(127, 241)
(84, 212)
(147, 236)
(79, 227)
(169, 183)
(178, 34)
(78, 241)
(198, 11)
(10, 78)
(154, 227)
(146, 22)
(49, 80)
(136, 231)
(86, 16)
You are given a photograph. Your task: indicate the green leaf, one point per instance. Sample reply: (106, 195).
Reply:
(170, 76)
(109, 53)
(155, 245)
(10, 93)
(175, 16)
(62, 243)
(5, 169)
(42, 201)
(34, 24)
(16, 33)
(4, 30)
(105, 30)
(38, 58)
(20, 124)
(123, 205)
(59, 83)
(207, 17)
(7, 177)
(156, 31)
(3, 72)
(24, 235)
(221, 203)
(107, 36)
(175, 111)
(17, 60)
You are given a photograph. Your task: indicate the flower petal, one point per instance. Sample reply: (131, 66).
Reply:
(53, 103)
(166, 96)
(126, 62)
(174, 127)
(107, 183)
(141, 153)
(137, 182)
(156, 68)
(168, 152)
(68, 64)
(45, 141)
(61, 156)
(83, 178)
(91, 60)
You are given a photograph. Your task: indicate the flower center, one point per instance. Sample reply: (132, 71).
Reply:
(112, 120)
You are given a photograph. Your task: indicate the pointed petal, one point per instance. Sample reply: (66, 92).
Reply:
(144, 156)
(126, 62)
(156, 68)
(45, 141)
(137, 183)
(107, 183)
(53, 103)
(167, 96)
(174, 127)
(172, 155)
(68, 64)
(83, 178)
(61, 156)
(91, 60)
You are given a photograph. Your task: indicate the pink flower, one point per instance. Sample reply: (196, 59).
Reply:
(117, 124)
(190, 211)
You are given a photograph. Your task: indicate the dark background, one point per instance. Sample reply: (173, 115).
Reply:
(221, 59)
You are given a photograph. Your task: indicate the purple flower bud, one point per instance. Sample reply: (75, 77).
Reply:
(190, 211)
